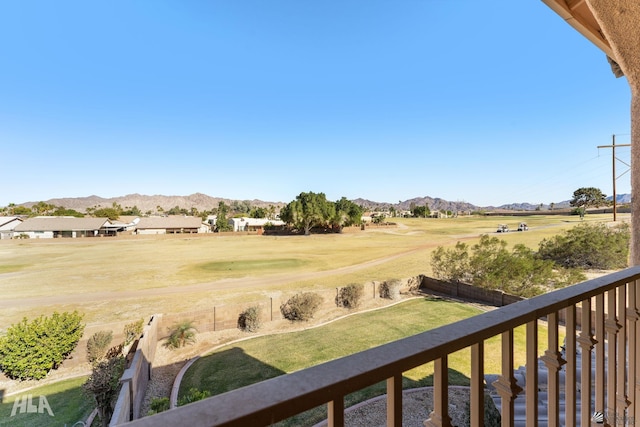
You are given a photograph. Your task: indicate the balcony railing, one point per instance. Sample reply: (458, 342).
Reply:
(600, 316)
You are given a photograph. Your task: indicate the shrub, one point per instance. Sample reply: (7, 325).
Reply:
(181, 334)
(98, 345)
(589, 246)
(132, 331)
(390, 289)
(490, 265)
(159, 404)
(301, 306)
(102, 386)
(249, 320)
(350, 296)
(451, 264)
(492, 416)
(193, 396)
(114, 351)
(29, 350)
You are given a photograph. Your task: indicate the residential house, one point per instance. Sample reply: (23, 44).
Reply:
(606, 310)
(253, 224)
(7, 225)
(48, 227)
(171, 225)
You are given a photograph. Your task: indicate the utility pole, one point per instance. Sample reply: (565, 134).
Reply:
(613, 168)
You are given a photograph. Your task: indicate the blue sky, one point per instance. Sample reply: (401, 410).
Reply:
(487, 102)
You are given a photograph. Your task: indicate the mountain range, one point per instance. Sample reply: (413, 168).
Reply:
(204, 202)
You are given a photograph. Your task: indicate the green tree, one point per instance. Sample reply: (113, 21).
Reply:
(19, 210)
(177, 210)
(221, 220)
(102, 386)
(42, 208)
(587, 197)
(134, 211)
(490, 265)
(421, 211)
(240, 207)
(589, 247)
(346, 214)
(258, 212)
(182, 333)
(307, 211)
(453, 264)
(112, 213)
(62, 211)
(30, 350)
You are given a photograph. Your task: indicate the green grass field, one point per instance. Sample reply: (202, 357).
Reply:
(76, 270)
(261, 358)
(116, 279)
(64, 398)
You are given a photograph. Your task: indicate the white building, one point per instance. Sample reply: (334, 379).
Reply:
(7, 225)
(253, 224)
(48, 227)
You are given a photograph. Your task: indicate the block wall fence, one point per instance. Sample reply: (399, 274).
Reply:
(218, 318)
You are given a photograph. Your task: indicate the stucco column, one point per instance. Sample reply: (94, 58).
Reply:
(635, 177)
(618, 20)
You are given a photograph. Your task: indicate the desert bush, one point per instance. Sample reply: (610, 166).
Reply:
(451, 264)
(301, 306)
(159, 404)
(350, 296)
(589, 246)
(492, 416)
(102, 386)
(115, 351)
(132, 331)
(29, 350)
(249, 319)
(489, 264)
(193, 396)
(98, 345)
(390, 289)
(181, 334)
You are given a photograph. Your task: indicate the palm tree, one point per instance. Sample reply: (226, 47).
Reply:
(182, 333)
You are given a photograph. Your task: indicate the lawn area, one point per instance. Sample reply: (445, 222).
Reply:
(65, 399)
(78, 268)
(258, 359)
